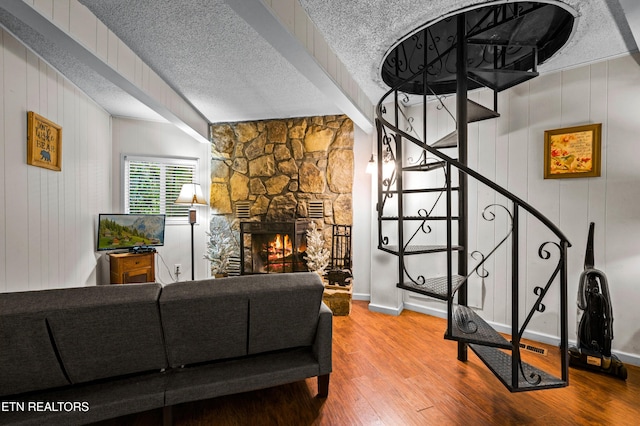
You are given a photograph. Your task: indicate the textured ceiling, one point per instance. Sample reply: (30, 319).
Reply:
(229, 72)
(361, 43)
(213, 58)
(110, 96)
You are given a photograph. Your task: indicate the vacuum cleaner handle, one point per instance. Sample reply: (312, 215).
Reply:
(589, 260)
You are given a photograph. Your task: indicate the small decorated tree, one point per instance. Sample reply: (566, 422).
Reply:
(317, 257)
(221, 247)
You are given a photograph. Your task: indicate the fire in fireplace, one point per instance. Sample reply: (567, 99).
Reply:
(273, 247)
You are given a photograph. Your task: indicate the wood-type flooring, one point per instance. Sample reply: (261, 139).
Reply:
(395, 371)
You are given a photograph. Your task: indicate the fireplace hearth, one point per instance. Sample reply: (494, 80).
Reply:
(273, 247)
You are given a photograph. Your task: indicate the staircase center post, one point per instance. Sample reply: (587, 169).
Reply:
(399, 187)
(461, 115)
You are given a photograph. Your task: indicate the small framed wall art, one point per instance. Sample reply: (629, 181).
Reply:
(572, 152)
(44, 142)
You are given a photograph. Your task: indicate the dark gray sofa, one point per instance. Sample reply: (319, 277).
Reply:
(80, 355)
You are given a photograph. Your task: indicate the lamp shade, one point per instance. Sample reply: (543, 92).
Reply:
(191, 193)
(371, 166)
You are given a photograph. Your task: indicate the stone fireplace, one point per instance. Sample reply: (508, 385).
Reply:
(269, 177)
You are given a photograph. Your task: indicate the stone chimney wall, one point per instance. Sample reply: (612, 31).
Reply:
(278, 166)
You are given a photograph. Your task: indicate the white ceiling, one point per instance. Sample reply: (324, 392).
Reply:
(223, 66)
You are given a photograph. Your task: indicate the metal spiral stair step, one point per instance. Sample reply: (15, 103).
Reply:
(418, 249)
(477, 112)
(418, 191)
(435, 287)
(500, 362)
(448, 141)
(468, 327)
(517, 30)
(501, 79)
(425, 167)
(420, 218)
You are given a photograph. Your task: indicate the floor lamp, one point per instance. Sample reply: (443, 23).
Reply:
(191, 193)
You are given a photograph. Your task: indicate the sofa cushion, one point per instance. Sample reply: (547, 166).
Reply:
(204, 321)
(209, 320)
(109, 331)
(283, 310)
(52, 338)
(239, 375)
(27, 358)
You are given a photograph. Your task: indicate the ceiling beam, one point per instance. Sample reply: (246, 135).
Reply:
(260, 17)
(631, 10)
(51, 33)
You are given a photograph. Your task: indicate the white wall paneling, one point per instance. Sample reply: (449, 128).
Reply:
(46, 217)
(16, 183)
(621, 258)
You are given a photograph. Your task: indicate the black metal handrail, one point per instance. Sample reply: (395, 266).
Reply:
(462, 167)
(517, 203)
(391, 138)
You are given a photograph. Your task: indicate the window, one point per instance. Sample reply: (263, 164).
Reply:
(151, 185)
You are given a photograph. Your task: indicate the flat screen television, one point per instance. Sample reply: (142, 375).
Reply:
(133, 232)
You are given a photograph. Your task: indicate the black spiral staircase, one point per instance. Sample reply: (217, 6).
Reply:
(493, 47)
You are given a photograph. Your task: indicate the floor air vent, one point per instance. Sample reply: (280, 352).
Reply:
(535, 349)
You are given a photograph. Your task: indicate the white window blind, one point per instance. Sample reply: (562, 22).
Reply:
(152, 184)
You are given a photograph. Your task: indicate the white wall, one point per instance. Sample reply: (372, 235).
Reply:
(362, 201)
(385, 296)
(47, 218)
(509, 150)
(136, 137)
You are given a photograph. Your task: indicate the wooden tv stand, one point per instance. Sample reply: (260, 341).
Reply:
(129, 268)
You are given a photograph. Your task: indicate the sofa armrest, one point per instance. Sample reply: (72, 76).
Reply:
(323, 342)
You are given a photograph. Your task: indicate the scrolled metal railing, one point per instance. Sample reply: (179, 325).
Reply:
(388, 133)
(432, 49)
(468, 171)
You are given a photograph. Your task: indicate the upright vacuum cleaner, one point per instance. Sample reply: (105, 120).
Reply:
(595, 321)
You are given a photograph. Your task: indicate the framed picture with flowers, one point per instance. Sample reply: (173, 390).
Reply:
(572, 152)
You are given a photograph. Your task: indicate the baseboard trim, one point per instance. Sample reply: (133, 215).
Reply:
(627, 358)
(425, 310)
(361, 296)
(385, 309)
